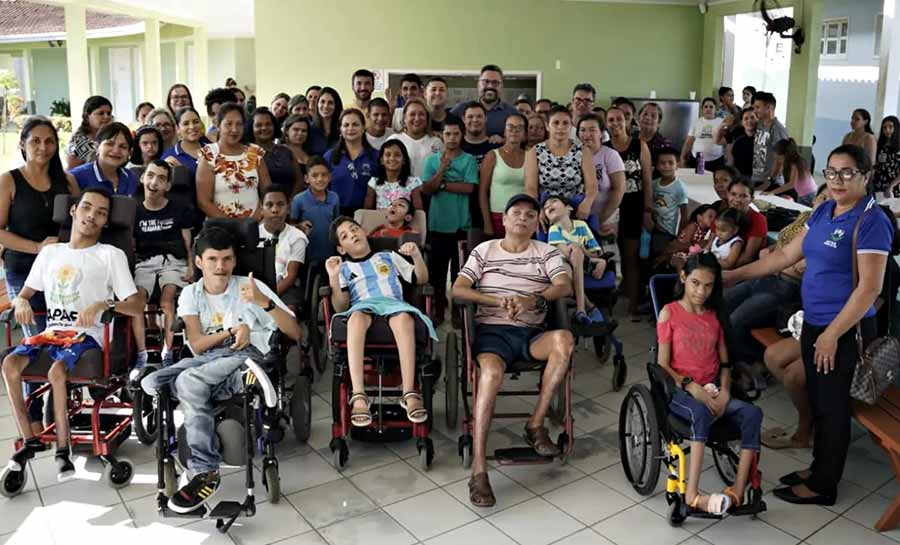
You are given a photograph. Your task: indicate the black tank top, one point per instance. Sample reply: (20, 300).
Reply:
(31, 217)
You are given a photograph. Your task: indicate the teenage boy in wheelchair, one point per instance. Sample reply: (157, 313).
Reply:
(80, 280)
(228, 322)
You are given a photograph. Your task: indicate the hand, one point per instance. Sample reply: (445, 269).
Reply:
(720, 400)
(445, 162)
(241, 337)
(173, 161)
(488, 228)
(23, 312)
(87, 317)
(826, 346)
(389, 96)
(47, 241)
(648, 222)
(701, 395)
(495, 139)
(306, 226)
(518, 304)
(333, 266)
(608, 229)
(189, 275)
(250, 293)
(409, 249)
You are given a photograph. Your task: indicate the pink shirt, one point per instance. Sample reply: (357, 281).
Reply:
(695, 342)
(805, 185)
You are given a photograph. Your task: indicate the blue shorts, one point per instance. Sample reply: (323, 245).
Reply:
(511, 343)
(68, 355)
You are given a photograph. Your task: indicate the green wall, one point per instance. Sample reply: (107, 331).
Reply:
(623, 49)
(49, 79)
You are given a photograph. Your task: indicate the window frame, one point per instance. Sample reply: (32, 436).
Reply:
(823, 43)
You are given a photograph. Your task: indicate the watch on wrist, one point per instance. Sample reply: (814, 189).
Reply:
(443, 186)
(685, 382)
(270, 307)
(110, 304)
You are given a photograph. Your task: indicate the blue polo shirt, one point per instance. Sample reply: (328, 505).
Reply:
(183, 157)
(306, 207)
(350, 179)
(827, 247)
(89, 175)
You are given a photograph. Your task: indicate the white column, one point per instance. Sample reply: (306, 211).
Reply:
(180, 62)
(77, 65)
(28, 90)
(200, 85)
(889, 63)
(152, 62)
(94, 61)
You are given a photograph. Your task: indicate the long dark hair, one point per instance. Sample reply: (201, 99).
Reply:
(892, 144)
(334, 123)
(867, 116)
(169, 96)
(340, 148)
(136, 156)
(716, 300)
(249, 138)
(90, 105)
(55, 168)
(405, 170)
(792, 158)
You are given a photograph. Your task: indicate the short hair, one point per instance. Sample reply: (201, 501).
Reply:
(723, 90)
(620, 101)
(474, 104)
(653, 104)
(438, 79)
(161, 164)
(559, 109)
(411, 78)
(491, 68)
(141, 106)
(285, 96)
(316, 161)
(522, 100)
(730, 170)
(547, 100)
(454, 121)
(220, 95)
(362, 73)
(248, 125)
(765, 98)
(296, 100)
(109, 132)
(376, 102)
(585, 87)
(213, 238)
(708, 99)
(158, 112)
(276, 188)
(859, 156)
(666, 150)
(97, 190)
(336, 224)
(229, 107)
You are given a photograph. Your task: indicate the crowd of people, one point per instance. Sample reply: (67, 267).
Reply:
(601, 182)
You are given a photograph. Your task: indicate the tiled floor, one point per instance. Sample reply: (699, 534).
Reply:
(382, 496)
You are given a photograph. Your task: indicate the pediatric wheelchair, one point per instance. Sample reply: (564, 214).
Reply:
(100, 422)
(382, 374)
(248, 423)
(649, 434)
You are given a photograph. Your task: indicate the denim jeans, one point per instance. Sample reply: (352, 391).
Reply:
(15, 281)
(748, 417)
(199, 382)
(754, 304)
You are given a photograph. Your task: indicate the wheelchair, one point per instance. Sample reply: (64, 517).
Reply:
(382, 373)
(248, 423)
(101, 421)
(458, 385)
(650, 435)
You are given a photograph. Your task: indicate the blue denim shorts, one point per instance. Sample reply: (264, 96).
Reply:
(511, 343)
(69, 355)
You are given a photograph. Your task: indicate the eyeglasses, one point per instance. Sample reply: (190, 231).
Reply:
(579, 100)
(515, 128)
(490, 82)
(845, 174)
(180, 97)
(164, 125)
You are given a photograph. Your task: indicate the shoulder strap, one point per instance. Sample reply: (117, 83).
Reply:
(855, 261)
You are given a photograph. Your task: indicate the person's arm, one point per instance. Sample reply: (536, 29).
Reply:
(647, 185)
(463, 290)
(686, 150)
(72, 185)
(484, 191)
(433, 183)
(286, 283)
(750, 251)
(206, 189)
(589, 174)
(871, 148)
(724, 371)
(72, 162)
(420, 269)
(340, 299)
(286, 322)
(186, 238)
(531, 173)
(721, 136)
(683, 217)
(133, 305)
(686, 234)
(777, 166)
(777, 260)
(417, 198)
(370, 199)
(262, 172)
(733, 258)
(8, 239)
(616, 194)
(200, 342)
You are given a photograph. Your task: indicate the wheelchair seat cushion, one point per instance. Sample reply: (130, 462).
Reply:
(379, 332)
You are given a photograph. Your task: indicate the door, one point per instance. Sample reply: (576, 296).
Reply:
(121, 74)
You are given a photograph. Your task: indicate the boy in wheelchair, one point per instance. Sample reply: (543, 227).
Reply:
(399, 220)
(366, 286)
(80, 280)
(692, 350)
(228, 322)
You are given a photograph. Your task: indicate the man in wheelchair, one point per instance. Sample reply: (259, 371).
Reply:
(80, 280)
(228, 322)
(692, 350)
(511, 280)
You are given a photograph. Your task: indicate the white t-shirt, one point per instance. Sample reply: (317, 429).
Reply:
(72, 280)
(419, 149)
(377, 141)
(291, 246)
(704, 133)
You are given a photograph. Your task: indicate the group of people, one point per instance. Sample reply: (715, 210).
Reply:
(598, 183)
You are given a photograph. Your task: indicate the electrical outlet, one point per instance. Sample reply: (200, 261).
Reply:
(558, 64)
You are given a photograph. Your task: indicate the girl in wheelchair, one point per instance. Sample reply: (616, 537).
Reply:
(367, 285)
(692, 349)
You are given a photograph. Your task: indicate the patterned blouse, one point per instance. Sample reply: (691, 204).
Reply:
(887, 169)
(236, 179)
(560, 175)
(786, 235)
(82, 148)
(631, 158)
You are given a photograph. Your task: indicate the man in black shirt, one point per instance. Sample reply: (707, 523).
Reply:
(476, 141)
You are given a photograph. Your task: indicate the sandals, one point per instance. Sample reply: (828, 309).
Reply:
(779, 438)
(360, 417)
(716, 504)
(480, 492)
(416, 415)
(736, 501)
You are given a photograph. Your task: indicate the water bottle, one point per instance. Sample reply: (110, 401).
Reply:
(701, 164)
(644, 251)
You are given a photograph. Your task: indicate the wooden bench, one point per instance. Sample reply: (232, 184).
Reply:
(883, 422)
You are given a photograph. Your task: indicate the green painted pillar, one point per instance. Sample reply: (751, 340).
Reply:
(801, 109)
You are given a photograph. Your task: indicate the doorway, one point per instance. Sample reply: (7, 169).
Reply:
(121, 83)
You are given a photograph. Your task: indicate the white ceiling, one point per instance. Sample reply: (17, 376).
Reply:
(223, 18)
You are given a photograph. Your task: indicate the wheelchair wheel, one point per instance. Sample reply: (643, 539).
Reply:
(465, 450)
(315, 334)
(426, 453)
(301, 409)
(13, 482)
(144, 417)
(620, 372)
(726, 458)
(639, 440)
(677, 511)
(602, 348)
(271, 480)
(118, 473)
(340, 452)
(451, 381)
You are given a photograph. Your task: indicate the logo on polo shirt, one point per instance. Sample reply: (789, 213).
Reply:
(836, 236)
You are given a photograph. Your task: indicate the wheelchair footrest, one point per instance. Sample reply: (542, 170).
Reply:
(701, 514)
(227, 510)
(749, 509)
(593, 330)
(520, 455)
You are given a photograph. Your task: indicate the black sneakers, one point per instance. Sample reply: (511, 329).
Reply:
(20, 458)
(65, 469)
(195, 493)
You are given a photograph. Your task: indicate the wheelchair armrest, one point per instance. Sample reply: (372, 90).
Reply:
(177, 325)
(425, 290)
(325, 291)
(748, 381)
(8, 316)
(558, 317)
(108, 316)
(659, 377)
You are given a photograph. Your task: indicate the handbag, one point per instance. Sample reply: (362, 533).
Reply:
(879, 363)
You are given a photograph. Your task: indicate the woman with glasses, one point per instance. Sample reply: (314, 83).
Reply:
(178, 97)
(833, 304)
(503, 174)
(163, 120)
(353, 162)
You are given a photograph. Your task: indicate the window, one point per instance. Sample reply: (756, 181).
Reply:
(834, 38)
(879, 22)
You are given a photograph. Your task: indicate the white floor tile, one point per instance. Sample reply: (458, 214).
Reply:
(622, 528)
(143, 512)
(585, 537)
(542, 478)
(305, 471)
(309, 538)
(588, 500)
(272, 522)
(614, 478)
(506, 491)
(363, 457)
(8, 428)
(81, 491)
(849, 494)
(868, 511)
(589, 415)
(476, 533)
(800, 521)
(430, 514)
(331, 502)
(375, 528)
(746, 531)
(16, 510)
(843, 532)
(535, 522)
(392, 483)
(447, 465)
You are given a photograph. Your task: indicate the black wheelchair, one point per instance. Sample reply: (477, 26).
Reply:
(650, 435)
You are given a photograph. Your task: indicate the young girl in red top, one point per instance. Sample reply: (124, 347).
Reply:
(693, 351)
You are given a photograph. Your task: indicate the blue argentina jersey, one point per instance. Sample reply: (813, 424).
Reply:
(377, 276)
